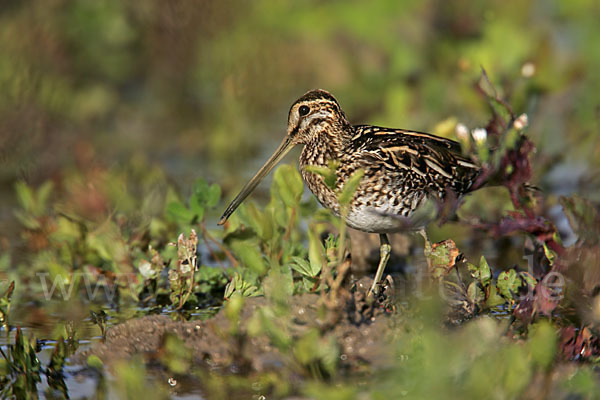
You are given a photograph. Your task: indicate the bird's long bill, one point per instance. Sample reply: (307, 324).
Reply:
(281, 151)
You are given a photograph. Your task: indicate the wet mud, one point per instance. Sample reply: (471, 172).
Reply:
(360, 326)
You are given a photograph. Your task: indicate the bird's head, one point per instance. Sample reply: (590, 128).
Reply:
(314, 114)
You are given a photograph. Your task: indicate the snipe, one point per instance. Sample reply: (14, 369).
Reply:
(402, 168)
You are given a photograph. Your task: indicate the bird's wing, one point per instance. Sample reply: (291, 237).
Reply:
(421, 153)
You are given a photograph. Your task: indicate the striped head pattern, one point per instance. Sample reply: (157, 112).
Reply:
(314, 114)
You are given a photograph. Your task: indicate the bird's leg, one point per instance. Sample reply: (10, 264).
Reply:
(427, 246)
(384, 255)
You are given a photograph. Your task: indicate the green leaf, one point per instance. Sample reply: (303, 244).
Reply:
(347, 192)
(305, 268)
(328, 173)
(301, 266)
(278, 286)
(584, 382)
(278, 214)
(288, 185)
(484, 274)
(518, 374)
(266, 321)
(475, 293)
(67, 231)
(306, 349)
(241, 285)
(307, 284)
(94, 361)
(57, 361)
(543, 343)
(196, 207)
(316, 254)
(250, 256)
(494, 299)
(550, 255)
(200, 187)
(528, 278)
(473, 270)
(312, 348)
(508, 283)
(43, 193)
(443, 257)
(233, 310)
(28, 220)
(260, 222)
(179, 213)
(206, 195)
(213, 195)
(25, 196)
(511, 137)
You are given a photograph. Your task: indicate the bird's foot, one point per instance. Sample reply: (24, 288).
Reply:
(381, 291)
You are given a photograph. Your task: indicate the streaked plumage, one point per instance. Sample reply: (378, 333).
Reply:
(402, 169)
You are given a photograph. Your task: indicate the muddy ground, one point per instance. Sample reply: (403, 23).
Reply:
(359, 326)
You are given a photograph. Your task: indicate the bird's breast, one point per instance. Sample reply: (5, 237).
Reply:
(322, 192)
(377, 202)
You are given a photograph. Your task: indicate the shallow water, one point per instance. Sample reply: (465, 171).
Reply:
(84, 382)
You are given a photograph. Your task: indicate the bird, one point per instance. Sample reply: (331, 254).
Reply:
(402, 170)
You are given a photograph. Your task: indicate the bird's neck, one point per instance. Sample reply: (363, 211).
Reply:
(329, 144)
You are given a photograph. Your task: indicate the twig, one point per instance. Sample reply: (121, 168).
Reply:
(495, 96)
(207, 235)
(341, 274)
(206, 241)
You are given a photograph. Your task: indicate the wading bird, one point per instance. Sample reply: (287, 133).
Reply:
(402, 169)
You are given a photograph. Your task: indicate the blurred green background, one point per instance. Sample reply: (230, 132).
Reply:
(202, 88)
(123, 104)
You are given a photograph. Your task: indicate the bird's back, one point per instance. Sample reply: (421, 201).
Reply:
(402, 170)
(429, 162)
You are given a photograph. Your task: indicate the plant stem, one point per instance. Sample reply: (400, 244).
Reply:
(207, 236)
(184, 297)
(288, 232)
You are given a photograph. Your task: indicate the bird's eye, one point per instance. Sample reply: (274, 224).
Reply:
(303, 110)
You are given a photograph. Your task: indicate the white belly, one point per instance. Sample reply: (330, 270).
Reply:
(381, 219)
